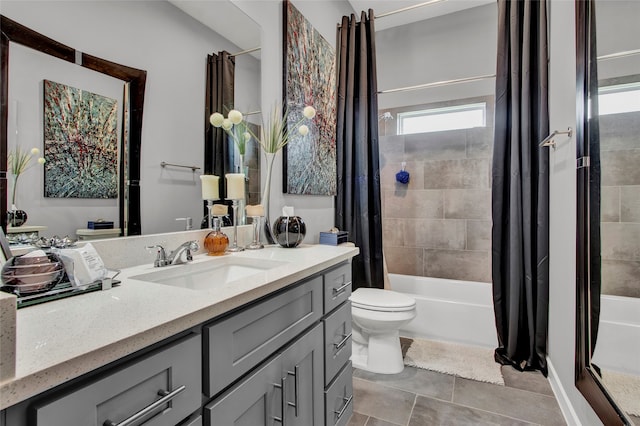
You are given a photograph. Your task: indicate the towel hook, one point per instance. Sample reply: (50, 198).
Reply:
(548, 141)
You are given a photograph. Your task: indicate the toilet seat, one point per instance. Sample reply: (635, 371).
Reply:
(375, 299)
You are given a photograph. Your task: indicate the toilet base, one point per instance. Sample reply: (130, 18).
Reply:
(382, 354)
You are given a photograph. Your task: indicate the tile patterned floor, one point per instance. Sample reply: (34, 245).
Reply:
(419, 397)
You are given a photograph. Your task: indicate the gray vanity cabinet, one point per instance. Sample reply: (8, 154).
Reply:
(285, 390)
(254, 401)
(162, 388)
(280, 360)
(337, 346)
(236, 344)
(303, 368)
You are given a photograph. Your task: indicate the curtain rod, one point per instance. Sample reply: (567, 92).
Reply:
(437, 84)
(618, 55)
(245, 51)
(404, 9)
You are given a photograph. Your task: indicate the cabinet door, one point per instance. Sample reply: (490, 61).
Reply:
(238, 343)
(337, 341)
(339, 398)
(303, 368)
(337, 286)
(254, 401)
(161, 388)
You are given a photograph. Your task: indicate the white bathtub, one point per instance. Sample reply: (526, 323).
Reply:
(618, 344)
(462, 312)
(449, 310)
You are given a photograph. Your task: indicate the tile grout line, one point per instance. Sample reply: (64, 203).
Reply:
(415, 400)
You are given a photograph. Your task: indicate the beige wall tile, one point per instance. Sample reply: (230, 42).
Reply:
(413, 204)
(467, 204)
(630, 204)
(404, 260)
(478, 235)
(610, 204)
(620, 278)
(620, 241)
(456, 174)
(458, 264)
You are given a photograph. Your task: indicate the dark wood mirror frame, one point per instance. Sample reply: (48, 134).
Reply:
(587, 379)
(134, 86)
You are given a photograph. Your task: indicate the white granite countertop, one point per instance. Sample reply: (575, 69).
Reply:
(64, 339)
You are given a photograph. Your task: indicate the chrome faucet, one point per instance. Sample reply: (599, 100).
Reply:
(175, 257)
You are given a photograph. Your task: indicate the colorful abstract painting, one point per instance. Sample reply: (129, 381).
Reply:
(310, 79)
(80, 143)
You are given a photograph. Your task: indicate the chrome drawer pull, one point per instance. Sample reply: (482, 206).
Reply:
(283, 405)
(339, 290)
(344, 407)
(166, 397)
(339, 346)
(296, 383)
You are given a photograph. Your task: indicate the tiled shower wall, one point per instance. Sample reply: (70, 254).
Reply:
(439, 224)
(620, 158)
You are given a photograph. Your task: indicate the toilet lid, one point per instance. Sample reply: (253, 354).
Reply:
(381, 300)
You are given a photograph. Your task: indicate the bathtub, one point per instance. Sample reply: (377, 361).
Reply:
(618, 343)
(449, 310)
(462, 312)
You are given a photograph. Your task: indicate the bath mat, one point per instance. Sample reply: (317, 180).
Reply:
(625, 390)
(469, 362)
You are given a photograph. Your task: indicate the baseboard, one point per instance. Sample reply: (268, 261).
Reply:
(566, 407)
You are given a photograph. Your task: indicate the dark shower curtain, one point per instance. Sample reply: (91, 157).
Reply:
(358, 208)
(520, 186)
(218, 98)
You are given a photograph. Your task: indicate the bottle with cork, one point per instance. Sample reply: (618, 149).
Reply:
(216, 241)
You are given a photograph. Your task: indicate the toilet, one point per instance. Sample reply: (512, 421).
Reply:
(377, 317)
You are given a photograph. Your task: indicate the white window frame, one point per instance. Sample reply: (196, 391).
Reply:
(616, 89)
(482, 106)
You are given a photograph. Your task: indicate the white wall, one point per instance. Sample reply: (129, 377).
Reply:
(316, 211)
(172, 47)
(459, 45)
(562, 223)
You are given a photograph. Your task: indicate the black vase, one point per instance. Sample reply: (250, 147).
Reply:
(16, 218)
(289, 231)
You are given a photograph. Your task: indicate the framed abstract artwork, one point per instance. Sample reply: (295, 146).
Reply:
(309, 79)
(80, 143)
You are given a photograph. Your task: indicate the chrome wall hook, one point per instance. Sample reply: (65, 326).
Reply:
(548, 141)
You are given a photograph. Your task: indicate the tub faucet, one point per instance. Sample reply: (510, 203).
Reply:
(175, 257)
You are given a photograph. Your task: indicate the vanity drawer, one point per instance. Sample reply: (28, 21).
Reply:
(338, 398)
(337, 286)
(165, 384)
(237, 343)
(337, 341)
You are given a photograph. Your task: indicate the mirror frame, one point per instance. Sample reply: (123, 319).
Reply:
(134, 87)
(587, 379)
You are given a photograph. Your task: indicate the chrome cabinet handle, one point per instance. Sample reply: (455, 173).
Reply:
(166, 397)
(283, 406)
(347, 401)
(339, 290)
(296, 386)
(339, 346)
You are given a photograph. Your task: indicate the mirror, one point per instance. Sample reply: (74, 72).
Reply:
(130, 81)
(171, 131)
(609, 316)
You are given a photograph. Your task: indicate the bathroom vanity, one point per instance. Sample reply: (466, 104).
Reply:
(270, 347)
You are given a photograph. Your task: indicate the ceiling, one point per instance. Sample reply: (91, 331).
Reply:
(435, 8)
(226, 18)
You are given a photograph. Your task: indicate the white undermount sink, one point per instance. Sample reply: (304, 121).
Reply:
(206, 275)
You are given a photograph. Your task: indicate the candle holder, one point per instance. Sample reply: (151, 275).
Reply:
(256, 244)
(209, 218)
(235, 247)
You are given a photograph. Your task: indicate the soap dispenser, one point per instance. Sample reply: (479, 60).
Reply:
(216, 241)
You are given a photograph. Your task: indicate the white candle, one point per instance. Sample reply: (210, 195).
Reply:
(210, 187)
(219, 210)
(235, 186)
(253, 211)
